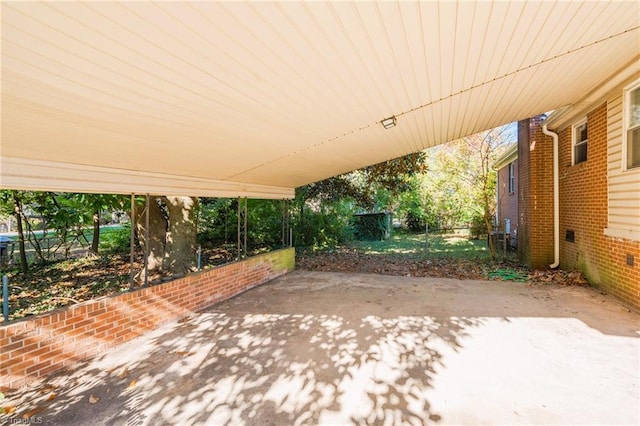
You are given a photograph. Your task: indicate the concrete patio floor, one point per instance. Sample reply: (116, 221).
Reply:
(332, 348)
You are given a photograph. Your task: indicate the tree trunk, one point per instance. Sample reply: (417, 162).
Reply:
(95, 242)
(157, 235)
(181, 239)
(23, 253)
(487, 222)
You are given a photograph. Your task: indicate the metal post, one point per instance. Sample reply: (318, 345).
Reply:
(426, 238)
(146, 242)
(133, 224)
(199, 256)
(5, 298)
(242, 227)
(283, 223)
(245, 227)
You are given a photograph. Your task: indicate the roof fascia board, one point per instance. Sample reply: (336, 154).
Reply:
(507, 157)
(39, 175)
(565, 116)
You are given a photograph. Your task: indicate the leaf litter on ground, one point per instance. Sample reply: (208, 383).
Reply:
(349, 260)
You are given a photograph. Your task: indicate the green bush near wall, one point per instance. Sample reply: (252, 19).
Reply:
(372, 226)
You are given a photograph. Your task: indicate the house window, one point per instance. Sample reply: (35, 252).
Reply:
(632, 125)
(512, 178)
(579, 141)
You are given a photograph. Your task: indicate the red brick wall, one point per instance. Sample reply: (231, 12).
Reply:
(508, 202)
(583, 209)
(535, 225)
(35, 347)
(524, 251)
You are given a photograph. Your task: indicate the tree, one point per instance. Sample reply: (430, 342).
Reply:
(463, 182)
(171, 239)
(94, 205)
(334, 200)
(11, 203)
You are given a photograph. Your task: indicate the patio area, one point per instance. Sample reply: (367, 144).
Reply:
(334, 348)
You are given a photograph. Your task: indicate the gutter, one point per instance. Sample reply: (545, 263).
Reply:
(556, 199)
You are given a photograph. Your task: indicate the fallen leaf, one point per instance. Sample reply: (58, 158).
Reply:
(32, 412)
(132, 384)
(124, 373)
(93, 399)
(183, 353)
(48, 388)
(51, 397)
(8, 409)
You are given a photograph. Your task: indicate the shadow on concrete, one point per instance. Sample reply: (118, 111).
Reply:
(317, 348)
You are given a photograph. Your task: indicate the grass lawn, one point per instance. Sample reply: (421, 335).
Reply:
(440, 245)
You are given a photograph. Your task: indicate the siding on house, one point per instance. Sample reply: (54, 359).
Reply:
(623, 186)
(599, 201)
(585, 211)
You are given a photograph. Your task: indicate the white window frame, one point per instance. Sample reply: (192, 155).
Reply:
(626, 102)
(574, 143)
(512, 177)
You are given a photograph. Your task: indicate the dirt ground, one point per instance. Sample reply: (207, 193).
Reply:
(336, 348)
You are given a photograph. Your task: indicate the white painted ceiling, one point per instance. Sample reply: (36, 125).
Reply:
(257, 98)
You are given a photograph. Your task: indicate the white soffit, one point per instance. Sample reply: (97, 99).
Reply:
(237, 97)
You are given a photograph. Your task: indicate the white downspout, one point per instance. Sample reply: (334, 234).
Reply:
(556, 199)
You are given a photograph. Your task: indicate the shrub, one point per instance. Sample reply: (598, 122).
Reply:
(117, 241)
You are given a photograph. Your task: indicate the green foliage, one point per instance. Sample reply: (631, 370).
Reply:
(264, 224)
(324, 209)
(372, 226)
(478, 226)
(369, 186)
(508, 274)
(322, 225)
(413, 245)
(217, 221)
(117, 240)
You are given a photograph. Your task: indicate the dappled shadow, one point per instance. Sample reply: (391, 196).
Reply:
(219, 368)
(317, 348)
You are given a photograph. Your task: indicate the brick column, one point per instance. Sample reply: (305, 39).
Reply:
(535, 186)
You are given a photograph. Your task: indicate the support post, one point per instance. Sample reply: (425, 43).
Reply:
(245, 227)
(242, 227)
(286, 223)
(132, 240)
(146, 242)
(5, 298)
(426, 238)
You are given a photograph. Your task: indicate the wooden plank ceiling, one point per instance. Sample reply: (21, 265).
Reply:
(253, 98)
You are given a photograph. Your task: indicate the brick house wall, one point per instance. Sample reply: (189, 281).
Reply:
(535, 188)
(583, 210)
(524, 251)
(508, 201)
(584, 205)
(35, 347)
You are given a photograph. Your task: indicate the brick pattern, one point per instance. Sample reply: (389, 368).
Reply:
(35, 347)
(583, 209)
(508, 202)
(535, 224)
(524, 251)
